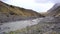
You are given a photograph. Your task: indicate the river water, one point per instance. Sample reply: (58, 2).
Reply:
(12, 26)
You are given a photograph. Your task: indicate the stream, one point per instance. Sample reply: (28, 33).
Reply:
(12, 26)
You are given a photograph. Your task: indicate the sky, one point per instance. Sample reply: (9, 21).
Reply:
(36, 5)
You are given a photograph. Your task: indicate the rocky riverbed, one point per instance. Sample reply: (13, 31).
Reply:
(47, 25)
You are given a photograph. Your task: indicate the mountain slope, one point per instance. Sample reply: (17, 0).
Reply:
(9, 9)
(54, 11)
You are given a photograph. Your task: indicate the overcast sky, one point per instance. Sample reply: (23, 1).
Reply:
(37, 5)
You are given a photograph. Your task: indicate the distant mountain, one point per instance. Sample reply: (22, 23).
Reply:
(54, 11)
(13, 13)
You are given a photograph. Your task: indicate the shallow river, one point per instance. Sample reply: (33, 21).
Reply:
(12, 26)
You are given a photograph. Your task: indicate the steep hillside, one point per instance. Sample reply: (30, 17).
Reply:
(13, 13)
(13, 10)
(54, 11)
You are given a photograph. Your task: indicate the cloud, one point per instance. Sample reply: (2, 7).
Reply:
(55, 1)
(42, 1)
(46, 1)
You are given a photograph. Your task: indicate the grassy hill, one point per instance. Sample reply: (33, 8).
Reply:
(13, 10)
